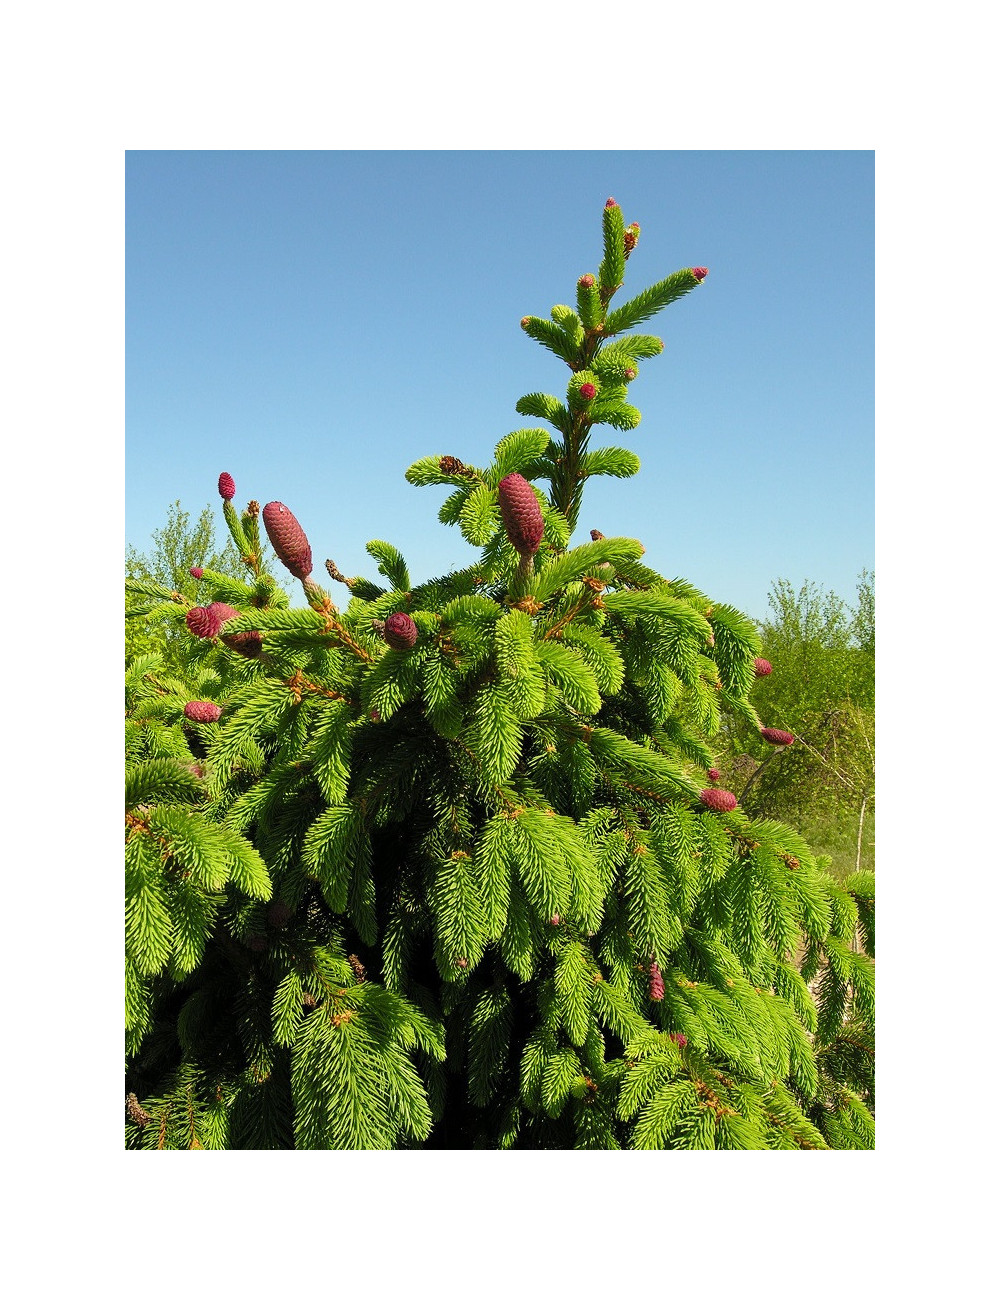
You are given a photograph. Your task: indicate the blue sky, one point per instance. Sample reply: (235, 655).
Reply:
(313, 322)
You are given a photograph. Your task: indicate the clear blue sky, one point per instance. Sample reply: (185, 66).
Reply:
(314, 322)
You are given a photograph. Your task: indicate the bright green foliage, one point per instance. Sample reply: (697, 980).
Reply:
(419, 897)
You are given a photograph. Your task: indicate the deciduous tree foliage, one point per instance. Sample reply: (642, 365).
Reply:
(823, 688)
(443, 872)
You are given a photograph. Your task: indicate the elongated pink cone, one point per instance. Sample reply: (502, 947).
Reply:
(719, 800)
(521, 514)
(202, 711)
(656, 989)
(227, 488)
(699, 272)
(288, 539)
(400, 632)
(775, 737)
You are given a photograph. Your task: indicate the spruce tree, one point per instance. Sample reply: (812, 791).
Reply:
(445, 864)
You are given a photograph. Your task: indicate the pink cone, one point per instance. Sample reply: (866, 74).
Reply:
(400, 632)
(202, 711)
(761, 668)
(227, 488)
(719, 800)
(775, 737)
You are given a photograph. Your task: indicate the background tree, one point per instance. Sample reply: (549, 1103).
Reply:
(822, 686)
(449, 866)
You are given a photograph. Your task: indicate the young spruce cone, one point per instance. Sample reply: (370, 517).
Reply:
(202, 711)
(196, 571)
(656, 989)
(206, 622)
(719, 800)
(288, 539)
(227, 488)
(521, 513)
(761, 668)
(775, 737)
(680, 1040)
(714, 774)
(400, 632)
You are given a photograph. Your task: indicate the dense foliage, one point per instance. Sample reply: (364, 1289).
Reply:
(448, 866)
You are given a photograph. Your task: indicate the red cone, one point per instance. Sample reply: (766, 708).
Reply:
(227, 488)
(206, 622)
(656, 989)
(400, 632)
(761, 668)
(775, 737)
